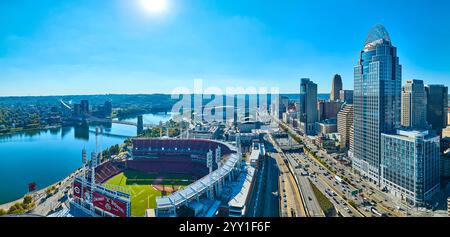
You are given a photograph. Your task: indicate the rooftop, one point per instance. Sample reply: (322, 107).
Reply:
(377, 35)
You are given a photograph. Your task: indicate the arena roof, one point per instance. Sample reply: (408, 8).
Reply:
(242, 193)
(199, 186)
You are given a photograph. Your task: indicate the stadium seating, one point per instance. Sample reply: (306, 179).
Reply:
(107, 170)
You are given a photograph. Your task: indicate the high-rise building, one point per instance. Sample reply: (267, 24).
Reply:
(336, 87)
(410, 166)
(328, 109)
(437, 106)
(344, 124)
(283, 106)
(107, 109)
(346, 96)
(377, 96)
(76, 110)
(414, 105)
(308, 114)
(85, 107)
(445, 165)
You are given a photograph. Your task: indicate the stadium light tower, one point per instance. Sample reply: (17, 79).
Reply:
(209, 164)
(239, 147)
(93, 166)
(83, 170)
(218, 162)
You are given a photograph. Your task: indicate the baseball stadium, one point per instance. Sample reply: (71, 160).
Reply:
(160, 171)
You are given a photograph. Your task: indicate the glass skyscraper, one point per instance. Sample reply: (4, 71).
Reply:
(437, 106)
(336, 87)
(414, 105)
(377, 101)
(308, 113)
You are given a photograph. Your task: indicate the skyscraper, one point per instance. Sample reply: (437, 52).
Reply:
(414, 105)
(377, 96)
(437, 106)
(107, 109)
(85, 107)
(336, 87)
(344, 124)
(308, 114)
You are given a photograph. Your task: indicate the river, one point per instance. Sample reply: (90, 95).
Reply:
(48, 156)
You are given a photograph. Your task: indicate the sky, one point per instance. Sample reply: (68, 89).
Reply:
(66, 47)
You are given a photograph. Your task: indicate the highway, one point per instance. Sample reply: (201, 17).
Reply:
(371, 196)
(338, 193)
(313, 206)
(293, 203)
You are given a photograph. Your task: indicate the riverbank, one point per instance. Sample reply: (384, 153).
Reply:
(39, 195)
(30, 130)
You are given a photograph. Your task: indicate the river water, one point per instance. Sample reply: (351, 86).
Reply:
(47, 156)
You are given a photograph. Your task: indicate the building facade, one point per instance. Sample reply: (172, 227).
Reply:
(328, 109)
(308, 114)
(344, 124)
(346, 96)
(437, 106)
(377, 93)
(336, 87)
(414, 105)
(410, 166)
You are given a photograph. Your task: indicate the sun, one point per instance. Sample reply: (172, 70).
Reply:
(154, 6)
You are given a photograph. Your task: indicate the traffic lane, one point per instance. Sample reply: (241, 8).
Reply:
(344, 207)
(331, 184)
(340, 207)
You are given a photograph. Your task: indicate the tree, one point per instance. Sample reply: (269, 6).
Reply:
(27, 199)
(2, 212)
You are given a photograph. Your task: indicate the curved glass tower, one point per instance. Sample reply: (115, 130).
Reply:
(377, 100)
(336, 87)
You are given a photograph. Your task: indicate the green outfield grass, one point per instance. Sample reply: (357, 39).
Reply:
(143, 195)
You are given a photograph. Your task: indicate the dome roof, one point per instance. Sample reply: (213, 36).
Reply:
(377, 35)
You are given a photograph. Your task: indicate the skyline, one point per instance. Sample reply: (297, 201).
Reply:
(68, 47)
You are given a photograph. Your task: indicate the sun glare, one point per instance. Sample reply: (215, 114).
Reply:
(154, 6)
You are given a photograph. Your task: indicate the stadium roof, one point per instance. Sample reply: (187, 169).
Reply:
(199, 186)
(242, 190)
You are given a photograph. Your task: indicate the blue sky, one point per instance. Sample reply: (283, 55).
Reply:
(112, 46)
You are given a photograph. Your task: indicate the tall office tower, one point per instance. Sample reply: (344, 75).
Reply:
(336, 87)
(328, 109)
(437, 106)
(344, 124)
(410, 165)
(308, 114)
(140, 124)
(107, 109)
(346, 96)
(283, 106)
(85, 107)
(414, 105)
(377, 96)
(76, 110)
